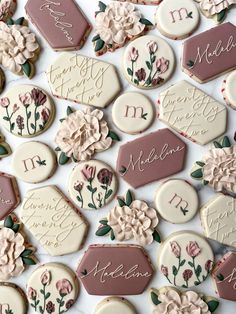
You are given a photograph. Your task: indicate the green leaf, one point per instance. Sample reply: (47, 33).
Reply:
(122, 170)
(103, 222)
(136, 82)
(26, 253)
(102, 6)
(112, 235)
(29, 115)
(91, 189)
(113, 136)
(154, 298)
(153, 59)
(213, 305)
(69, 110)
(63, 159)
(57, 149)
(108, 194)
(95, 38)
(6, 118)
(221, 15)
(191, 264)
(200, 163)
(10, 21)
(145, 22)
(130, 72)
(156, 236)
(84, 272)
(28, 261)
(148, 65)
(205, 182)
(47, 295)
(220, 277)
(12, 126)
(26, 67)
(182, 262)
(197, 174)
(121, 202)
(3, 150)
(217, 144)
(32, 126)
(58, 300)
(19, 21)
(190, 64)
(103, 231)
(8, 222)
(90, 205)
(197, 283)
(16, 228)
(78, 198)
(198, 270)
(41, 309)
(226, 142)
(37, 116)
(99, 44)
(149, 81)
(129, 198)
(174, 271)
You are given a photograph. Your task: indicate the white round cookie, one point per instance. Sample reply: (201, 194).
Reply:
(176, 201)
(132, 113)
(228, 89)
(33, 162)
(12, 299)
(56, 281)
(115, 305)
(148, 62)
(177, 19)
(92, 184)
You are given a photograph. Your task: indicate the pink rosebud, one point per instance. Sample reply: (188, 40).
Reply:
(78, 186)
(45, 278)
(45, 114)
(64, 287)
(175, 248)
(164, 270)
(193, 249)
(4, 102)
(152, 46)
(208, 265)
(25, 99)
(162, 65)
(133, 54)
(32, 294)
(15, 108)
(88, 172)
(187, 274)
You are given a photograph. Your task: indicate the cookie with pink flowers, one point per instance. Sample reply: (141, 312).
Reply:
(12, 299)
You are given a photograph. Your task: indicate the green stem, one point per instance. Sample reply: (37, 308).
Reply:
(92, 194)
(59, 310)
(81, 197)
(179, 258)
(168, 280)
(186, 283)
(35, 304)
(194, 267)
(44, 300)
(35, 120)
(27, 123)
(104, 199)
(132, 68)
(9, 118)
(150, 73)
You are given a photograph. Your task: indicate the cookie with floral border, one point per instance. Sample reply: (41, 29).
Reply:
(5, 149)
(145, 2)
(148, 62)
(33, 162)
(115, 305)
(12, 299)
(16, 252)
(176, 201)
(177, 19)
(167, 300)
(185, 259)
(115, 24)
(131, 219)
(52, 287)
(26, 110)
(19, 48)
(217, 167)
(92, 184)
(228, 89)
(82, 134)
(7, 9)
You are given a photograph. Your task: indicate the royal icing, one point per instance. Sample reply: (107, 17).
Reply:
(185, 259)
(192, 113)
(148, 62)
(148, 2)
(12, 299)
(177, 19)
(114, 305)
(151, 158)
(115, 270)
(132, 113)
(92, 184)
(228, 90)
(83, 80)
(53, 220)
(176, 201)
(7, 9)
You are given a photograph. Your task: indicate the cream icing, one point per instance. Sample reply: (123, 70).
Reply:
(12, 299)
(115, 305)
(216, 6)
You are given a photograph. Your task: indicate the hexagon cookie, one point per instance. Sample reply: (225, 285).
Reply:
(192, 113)
(61, 23)
(83, 80)
(224, 277)
(151, 157)
(115, 270)
(53, 220)
(218, 218)
(9, 194)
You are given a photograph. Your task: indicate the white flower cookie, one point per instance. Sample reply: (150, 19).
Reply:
(12, 299)
(115, 305)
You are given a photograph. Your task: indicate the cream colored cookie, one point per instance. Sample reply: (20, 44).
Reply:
(115, 305)
(228, 89)
(12, 299)
(33, 162)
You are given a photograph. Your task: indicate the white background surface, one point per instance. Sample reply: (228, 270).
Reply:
(86, 303)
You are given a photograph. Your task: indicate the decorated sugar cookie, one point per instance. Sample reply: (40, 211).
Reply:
(33, 162)
(115, 305)
(176, 201)
(7, 9)
(12, 299)
(5, 149)
(15, 252)
(217, 167)
(19, 47)
(168, 300)
(52, 288)
(115, 24)
(148, 62)
(132, 113)
(147, 2)
(185, 259)
(228, 89)
(82, 134)
(60, 230)
(92, 184)
(131, 219)
(177, 19)
(26, 110)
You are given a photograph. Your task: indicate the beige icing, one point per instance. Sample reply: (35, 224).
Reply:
(230, 89)
(213, 7)
(83, 80)
(11, 298)
(53, 221)
(114, 305)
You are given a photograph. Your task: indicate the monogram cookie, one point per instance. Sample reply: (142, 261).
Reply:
(12, 299)
(115, 305)
(228, 90)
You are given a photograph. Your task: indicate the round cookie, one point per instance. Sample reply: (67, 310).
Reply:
(7, 9)
(177, 19)
(115, 305)
(185, 259)
(92, 184)
(33, 162)
(12, 299)
(176, 201)
(228, 90)
(26, 110)
(132, 113)
(148, 62)
(53, 286)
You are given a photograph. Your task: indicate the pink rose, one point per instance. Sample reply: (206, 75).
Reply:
(164, 270)
(4, 102)
(175, 248)
(25, 99)
(152, 46)
(45, 278)
(187, 274)
(193, 249)
(15, 108)
(133, 54)
(162, 65)
(208, 265)
(32, 294)
(64, 287)
(45, 114)
(88, 172)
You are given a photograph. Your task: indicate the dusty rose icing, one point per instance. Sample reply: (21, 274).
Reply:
(216, 6)
(83, 133)
(220, 169)
(11, 246)
(137, 221)
(118, 22)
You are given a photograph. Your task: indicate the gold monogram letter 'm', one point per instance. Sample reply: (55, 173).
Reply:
(180, 13)
(133, 112)
(31, 162)
(178, 201)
